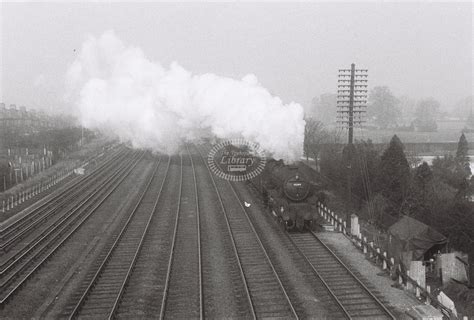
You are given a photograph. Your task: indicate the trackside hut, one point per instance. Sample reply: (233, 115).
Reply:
(410, 239)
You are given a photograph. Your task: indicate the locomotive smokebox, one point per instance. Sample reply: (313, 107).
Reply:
(288, 193)
(296, 188)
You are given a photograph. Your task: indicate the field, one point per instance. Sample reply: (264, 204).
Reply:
(448, 131)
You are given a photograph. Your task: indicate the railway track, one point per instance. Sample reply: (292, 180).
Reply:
(35, 252)
(53, 217)
(146, 286)
(353, 297)
(182, 296)
(182, 289)
(166, 226)
(103, 288)
(46, 210)
(345, 296)
(266, 294)
(311, 296)
(176, 289)
(224, 288)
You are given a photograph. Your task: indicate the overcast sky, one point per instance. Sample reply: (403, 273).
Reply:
(294, 49)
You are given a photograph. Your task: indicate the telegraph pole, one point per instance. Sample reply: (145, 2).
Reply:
(351, 98)
(351, 105)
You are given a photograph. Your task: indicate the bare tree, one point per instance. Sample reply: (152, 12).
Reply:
(315, 136)
(383, 107)
(426, 113)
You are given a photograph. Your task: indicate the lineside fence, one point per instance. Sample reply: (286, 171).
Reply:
(24, 195)
(45, 184)
(386, 263)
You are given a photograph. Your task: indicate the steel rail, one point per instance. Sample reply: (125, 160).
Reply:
(10, 228)
(97, 274)
(198, 217)
(38, 216)
(264, 250)
(140, 245)
(346, 312)
(53, 210)
(331, 292)
(231, 236)
(109, 254)
(66, 237)
(8, 264)
(170, 260)
(361, 284)
(61, 227)
(290, 304)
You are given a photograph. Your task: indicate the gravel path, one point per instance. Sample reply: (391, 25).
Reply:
(398, 298)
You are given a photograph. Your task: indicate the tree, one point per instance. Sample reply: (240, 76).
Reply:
(450, 171)
(394, 175)
(365, 166)
(456, 223)
(445, 169)
(331, 164)
(426, 112)
(463, 167)
(407, 108)
(423, 176)
(323, 108)
(375, 210)
(314, 136)
(464, 106)
(383, 107)
(420, 199)
(462, 156)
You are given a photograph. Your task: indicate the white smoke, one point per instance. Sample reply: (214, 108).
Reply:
(116, 88)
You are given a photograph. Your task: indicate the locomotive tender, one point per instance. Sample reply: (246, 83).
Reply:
(289, 195)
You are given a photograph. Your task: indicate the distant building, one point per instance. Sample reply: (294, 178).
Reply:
(470, 121)
(18, 121)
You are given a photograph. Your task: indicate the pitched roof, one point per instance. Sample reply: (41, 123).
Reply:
(420, 236)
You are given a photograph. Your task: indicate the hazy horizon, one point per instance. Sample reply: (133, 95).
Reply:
(294, 49)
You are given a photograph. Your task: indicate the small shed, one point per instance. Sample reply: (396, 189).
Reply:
(410, 239)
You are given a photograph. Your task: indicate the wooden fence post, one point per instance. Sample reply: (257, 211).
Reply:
(428, 299)
(417, 289)
(409, 285)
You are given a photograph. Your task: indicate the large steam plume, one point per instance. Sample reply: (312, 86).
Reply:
(116, 88)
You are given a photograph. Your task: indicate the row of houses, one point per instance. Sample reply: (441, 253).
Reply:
(23, 120)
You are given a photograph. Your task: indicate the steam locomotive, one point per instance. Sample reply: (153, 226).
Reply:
(289, 194)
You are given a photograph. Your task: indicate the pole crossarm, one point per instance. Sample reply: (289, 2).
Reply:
(351, 98)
